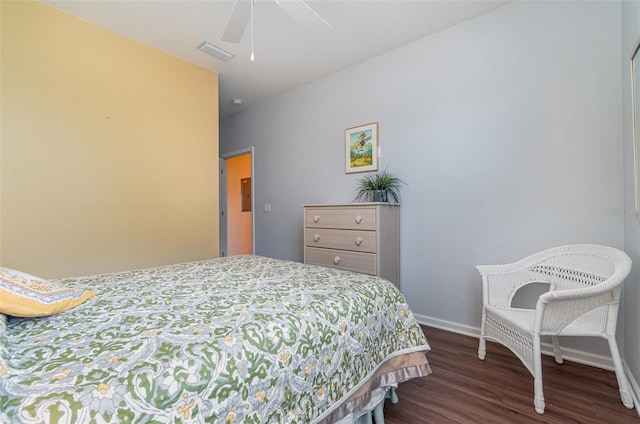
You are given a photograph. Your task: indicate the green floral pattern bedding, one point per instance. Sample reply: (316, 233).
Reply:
(238, 339)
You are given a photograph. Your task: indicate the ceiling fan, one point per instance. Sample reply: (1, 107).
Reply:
(242, 13)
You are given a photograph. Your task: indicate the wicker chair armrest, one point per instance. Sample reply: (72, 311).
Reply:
(555, 310)
(488, 270)
(510, 268)
(576, 294)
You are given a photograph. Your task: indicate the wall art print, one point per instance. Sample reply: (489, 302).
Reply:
(361, 148)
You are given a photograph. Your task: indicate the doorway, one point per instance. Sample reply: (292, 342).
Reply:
(237, 203)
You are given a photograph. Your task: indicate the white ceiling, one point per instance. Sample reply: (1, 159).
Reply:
(286, 54)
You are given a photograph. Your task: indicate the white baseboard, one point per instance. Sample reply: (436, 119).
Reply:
(635, 388)
(448, 325)
(547, 349)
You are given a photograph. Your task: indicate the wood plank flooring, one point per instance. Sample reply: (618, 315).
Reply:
(463, 389)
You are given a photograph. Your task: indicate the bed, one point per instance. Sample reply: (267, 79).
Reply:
(237, 339)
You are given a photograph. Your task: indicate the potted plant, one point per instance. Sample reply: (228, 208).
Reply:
(382, 186)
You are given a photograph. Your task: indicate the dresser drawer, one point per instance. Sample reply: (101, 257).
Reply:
(360, 237)
(346, 219)
(360, 241)
(342, 259)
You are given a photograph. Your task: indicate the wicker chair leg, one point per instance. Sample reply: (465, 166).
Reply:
(482, 348)
(557, 353)
(538, 394)
(623, 385)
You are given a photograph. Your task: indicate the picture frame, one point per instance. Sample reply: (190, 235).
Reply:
(361, 148)
(635, 110)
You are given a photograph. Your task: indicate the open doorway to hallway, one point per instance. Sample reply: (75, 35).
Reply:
(236, 203)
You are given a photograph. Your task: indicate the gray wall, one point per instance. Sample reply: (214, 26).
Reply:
(507, 129)
(630, 33)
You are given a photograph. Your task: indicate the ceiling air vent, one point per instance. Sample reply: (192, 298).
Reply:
(215, 51)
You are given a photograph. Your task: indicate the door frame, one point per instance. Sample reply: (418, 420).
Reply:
(223, 232)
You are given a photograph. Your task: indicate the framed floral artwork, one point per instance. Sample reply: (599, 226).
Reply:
(361, 148)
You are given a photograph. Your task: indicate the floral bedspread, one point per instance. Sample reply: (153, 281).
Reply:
(238, 339)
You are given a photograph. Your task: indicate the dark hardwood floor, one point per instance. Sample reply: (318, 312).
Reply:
(464, 389)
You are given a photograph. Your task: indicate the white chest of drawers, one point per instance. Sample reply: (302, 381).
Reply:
(360, 237)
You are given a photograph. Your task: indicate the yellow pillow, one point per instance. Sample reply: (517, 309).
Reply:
(23, 295)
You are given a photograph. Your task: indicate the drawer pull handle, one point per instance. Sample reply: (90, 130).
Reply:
(336, 260)
(316, 237)
(359, 241)
(316, 218)
(358, 219)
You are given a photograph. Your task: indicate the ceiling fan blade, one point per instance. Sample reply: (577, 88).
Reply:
(302, 13)
(237, 21)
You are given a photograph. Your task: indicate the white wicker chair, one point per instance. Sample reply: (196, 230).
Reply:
(584, 292)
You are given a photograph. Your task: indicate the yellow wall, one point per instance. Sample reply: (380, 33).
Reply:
(238, 222)
(109, 149)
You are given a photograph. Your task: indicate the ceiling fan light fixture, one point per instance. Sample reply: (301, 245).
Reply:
(241, 16)
(221, 54)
